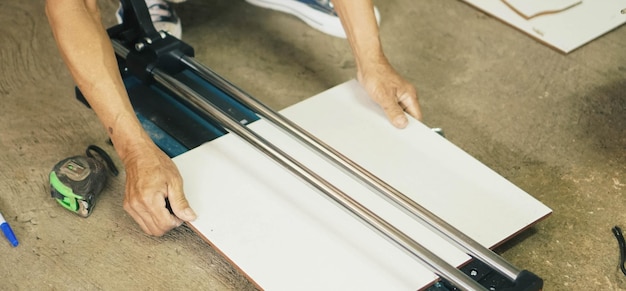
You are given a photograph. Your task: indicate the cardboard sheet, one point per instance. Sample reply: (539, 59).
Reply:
(566, 30)
(284, 235)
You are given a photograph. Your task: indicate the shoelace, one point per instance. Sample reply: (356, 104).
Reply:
(159, 10)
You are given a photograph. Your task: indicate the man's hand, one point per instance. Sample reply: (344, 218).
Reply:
(392, 92)
(384, 85)
(151, 176)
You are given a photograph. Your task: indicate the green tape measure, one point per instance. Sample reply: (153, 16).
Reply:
(75, 182)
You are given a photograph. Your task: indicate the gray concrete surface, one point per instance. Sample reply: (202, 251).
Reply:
(553, 124)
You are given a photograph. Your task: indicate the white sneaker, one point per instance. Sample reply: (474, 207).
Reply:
(163, 17)
(318, 14)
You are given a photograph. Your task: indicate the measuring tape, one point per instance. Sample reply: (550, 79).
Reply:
(75, 182)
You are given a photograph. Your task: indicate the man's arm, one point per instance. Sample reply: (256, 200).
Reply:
(385, 86)
(150, 175)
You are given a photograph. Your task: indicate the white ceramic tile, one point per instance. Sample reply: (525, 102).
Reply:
(287, 236)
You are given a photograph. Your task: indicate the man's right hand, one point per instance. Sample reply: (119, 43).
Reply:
(392, 92)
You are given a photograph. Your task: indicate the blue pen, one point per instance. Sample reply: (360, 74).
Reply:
(8, 232)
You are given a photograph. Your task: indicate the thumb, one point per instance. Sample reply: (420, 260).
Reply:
(394, 112)
(179, 203)
(409, 102)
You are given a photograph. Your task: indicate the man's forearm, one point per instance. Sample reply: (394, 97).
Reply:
(87, 51)
(359, 22)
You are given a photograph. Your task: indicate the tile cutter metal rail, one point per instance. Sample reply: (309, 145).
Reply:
(156, 60)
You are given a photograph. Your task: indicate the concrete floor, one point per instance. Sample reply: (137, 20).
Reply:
(553, 124)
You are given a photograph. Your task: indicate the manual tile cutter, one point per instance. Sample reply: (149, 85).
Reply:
(182, 104)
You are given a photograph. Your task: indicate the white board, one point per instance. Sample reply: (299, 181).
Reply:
(566, 30)
(284, 235)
